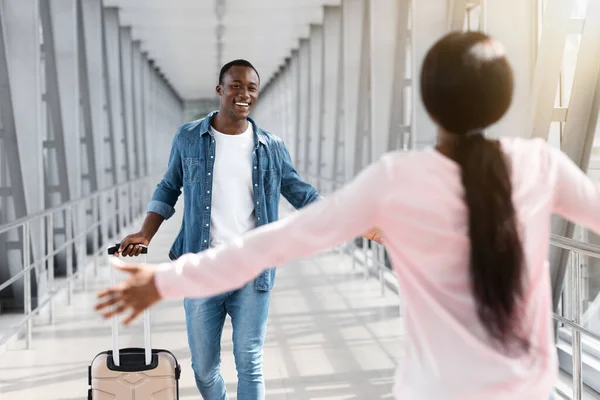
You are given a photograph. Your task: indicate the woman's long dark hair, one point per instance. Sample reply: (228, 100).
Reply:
(467, 85)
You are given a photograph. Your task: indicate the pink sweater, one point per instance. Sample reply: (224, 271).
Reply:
(416, 198)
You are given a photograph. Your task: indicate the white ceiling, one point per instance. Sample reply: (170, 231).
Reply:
(180, 35)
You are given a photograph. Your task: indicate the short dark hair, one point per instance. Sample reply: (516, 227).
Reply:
(235, 63)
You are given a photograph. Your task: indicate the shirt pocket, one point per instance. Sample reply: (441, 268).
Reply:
(272, 182)
(192, 170)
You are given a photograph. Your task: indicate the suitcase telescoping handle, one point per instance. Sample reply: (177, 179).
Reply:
(115, 320)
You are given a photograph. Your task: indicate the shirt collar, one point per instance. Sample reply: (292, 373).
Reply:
(205, 127)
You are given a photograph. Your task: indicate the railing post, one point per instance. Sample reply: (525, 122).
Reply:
(141, 199)
(103, 212)
(380, 265)
(576, 334)
(49, 252)
(352, 253)
(365, 257)
(82, 234)
(121, 204)
(27, 281)
(117, 217)
(69, 251)
(97, 226)
(131, 203)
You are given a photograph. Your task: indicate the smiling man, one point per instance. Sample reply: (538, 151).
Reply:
(232, 174)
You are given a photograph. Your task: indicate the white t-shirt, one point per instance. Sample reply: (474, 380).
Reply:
(417, 199)
(232, 195)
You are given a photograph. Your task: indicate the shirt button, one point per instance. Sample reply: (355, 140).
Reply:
(208, 191)
(256, 184)
(209, 173)
(212, 157)
(258, 218)
(206, 224)
(257, 202)
(255, 167)
(207, 207)
(205, 241)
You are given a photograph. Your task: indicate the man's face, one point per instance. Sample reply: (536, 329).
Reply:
(239, 91)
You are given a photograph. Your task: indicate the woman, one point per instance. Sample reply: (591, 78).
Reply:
(467, 228)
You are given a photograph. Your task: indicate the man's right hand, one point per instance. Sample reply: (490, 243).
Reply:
(130, 245)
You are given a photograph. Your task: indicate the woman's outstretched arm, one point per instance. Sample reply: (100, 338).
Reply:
(344, 215)
(576, 196)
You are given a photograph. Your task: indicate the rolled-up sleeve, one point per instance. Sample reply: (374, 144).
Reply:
(296, 191)
(168, 190)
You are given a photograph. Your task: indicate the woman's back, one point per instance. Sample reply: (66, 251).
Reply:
(449, 354)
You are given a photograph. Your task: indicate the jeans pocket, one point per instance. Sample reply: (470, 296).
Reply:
(191, 170)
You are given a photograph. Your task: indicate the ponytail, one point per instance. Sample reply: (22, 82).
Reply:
(497, 261)
(467, 85)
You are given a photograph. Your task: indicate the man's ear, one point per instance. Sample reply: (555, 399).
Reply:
(219, 90)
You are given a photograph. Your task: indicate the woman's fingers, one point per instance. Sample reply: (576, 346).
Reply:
(134, 314)
(137, 293)
(107, 303)
(117, 295)
(113, 291)
(116, 311)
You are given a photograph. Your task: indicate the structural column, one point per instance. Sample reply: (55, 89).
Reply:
(113, 59)
(65, 173)
(23, 47)
(127, 81)
(304, 108)
(548, 67)
(22, 134)
(430, 22)
(512, 22)
(313, 137)
(580, 127)
(354, 29)
(390, 85)
(64, 24)
(93, 30)
(330, 100)
(292, 102)
(136, 78)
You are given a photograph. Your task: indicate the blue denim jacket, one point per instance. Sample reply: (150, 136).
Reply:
(190, 166)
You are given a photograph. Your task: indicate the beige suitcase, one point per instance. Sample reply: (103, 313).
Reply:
(133, 373)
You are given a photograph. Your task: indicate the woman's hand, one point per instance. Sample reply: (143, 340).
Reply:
(375, 235)
(137, 293)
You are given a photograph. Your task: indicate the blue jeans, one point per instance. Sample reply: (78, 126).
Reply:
(248, 309)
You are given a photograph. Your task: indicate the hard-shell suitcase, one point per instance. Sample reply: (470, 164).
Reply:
(133, 373)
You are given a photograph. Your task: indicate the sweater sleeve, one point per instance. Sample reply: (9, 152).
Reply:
(576, 196)
(321, 225)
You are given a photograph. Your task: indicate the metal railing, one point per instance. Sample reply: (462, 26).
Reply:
(577, 250)
(111, 210)
(370, 254)
(115, 208)
(372, 257)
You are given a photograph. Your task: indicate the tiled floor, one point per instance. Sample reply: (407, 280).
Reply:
(331, 336)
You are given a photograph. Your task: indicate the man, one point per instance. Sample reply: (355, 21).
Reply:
(232, 174)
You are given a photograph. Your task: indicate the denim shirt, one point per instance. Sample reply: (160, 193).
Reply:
(190, 167)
